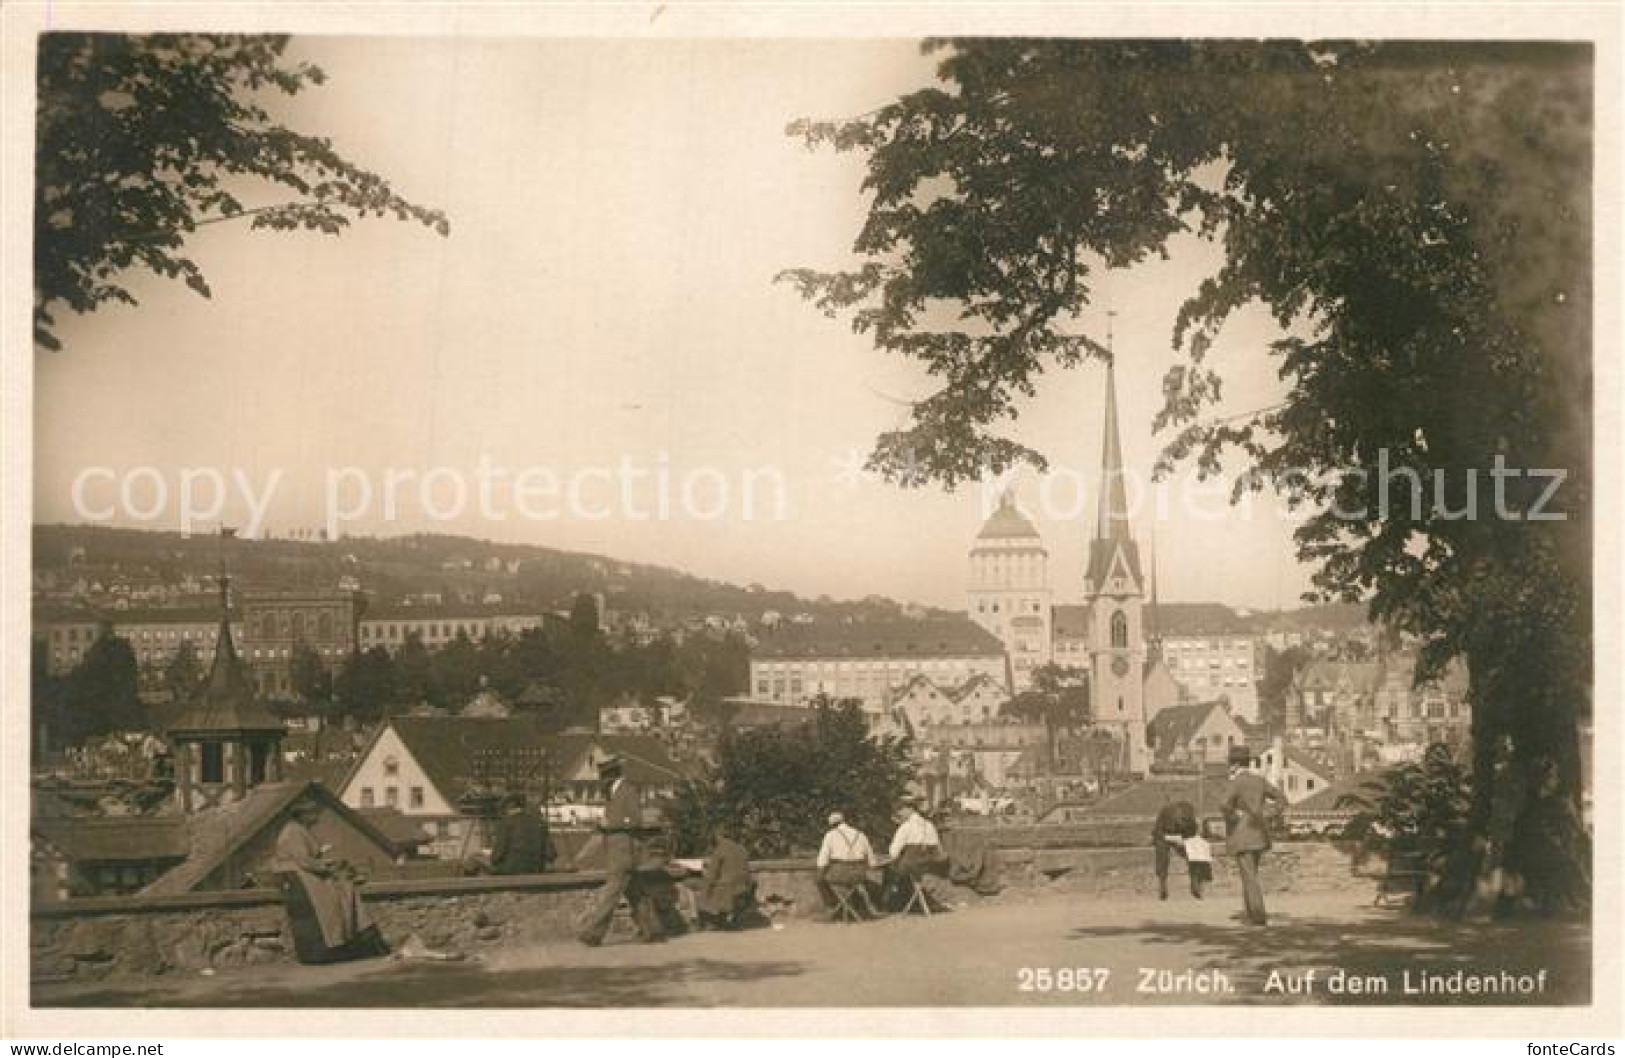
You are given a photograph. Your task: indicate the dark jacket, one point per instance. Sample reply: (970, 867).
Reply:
(1177, 817)
(1246, 814)
(521, 845)
(623, 810)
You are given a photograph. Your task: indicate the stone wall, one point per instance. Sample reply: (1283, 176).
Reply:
(110, 937)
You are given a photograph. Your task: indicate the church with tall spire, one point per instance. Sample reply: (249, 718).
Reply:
(1114, 599)
(1009, 594)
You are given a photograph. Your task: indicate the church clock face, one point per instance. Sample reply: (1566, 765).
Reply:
(1120, 666)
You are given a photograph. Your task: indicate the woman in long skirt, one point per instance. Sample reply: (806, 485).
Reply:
(325, 914)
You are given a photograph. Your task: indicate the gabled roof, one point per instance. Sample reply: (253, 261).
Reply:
(941, 637)
(216, 833)
(1367, 785)
(1105, 557)
(450, 749)
(1359, 676)
(405, 834)
(1175, 725)
(971, 685)
(131, 839)
(1310, 762)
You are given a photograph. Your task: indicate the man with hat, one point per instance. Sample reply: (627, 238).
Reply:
(623, 818)
(1247, 833)
(521, 844)
(916, 850)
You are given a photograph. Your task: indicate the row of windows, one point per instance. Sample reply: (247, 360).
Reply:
(392, 797)
(399, 631)
(296, 624)
(1021, 606)
(878, 665)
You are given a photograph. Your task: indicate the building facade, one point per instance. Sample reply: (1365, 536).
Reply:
(1009, 592)
(1221, 666)
(435, 626)
(871, 660)
(276, 623)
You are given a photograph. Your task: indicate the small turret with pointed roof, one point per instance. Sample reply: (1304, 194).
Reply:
(226, 741)
(226, 702)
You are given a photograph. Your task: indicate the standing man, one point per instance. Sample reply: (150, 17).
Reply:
(1175, 823)
(623, 818)
(1246, 820)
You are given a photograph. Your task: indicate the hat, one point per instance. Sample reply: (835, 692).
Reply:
(1240, 755)
(836, 819)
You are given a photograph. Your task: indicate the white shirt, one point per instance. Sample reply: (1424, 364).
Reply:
(916, 830)
(845, 842)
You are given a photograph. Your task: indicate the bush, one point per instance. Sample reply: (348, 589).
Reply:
(775, 787)
(1416, 813)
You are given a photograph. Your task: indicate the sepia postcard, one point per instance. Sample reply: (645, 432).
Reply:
(679, 519)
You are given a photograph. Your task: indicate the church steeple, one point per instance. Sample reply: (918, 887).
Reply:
(1112, 522)
(1113, 558)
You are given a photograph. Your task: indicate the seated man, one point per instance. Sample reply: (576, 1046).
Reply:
(844, 860)
(521, 844)
(727, 894)
(916, 851)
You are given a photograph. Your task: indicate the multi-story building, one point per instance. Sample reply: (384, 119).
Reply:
(1216, 667)
(924, 703)
(67, 633)
(1009, 589)
(436, 625)
(155, 635)
(869, 660)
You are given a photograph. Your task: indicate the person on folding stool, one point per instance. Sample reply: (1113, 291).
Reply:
(844, 861)
(916, 851)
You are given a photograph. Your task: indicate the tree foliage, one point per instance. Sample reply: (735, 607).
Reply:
(777, 786)
(97, 697)
(142, 139)
(309, 675)
(184, 673)
(1279, 668)
(1058, 699)
(1415, 216)
(1415, 815)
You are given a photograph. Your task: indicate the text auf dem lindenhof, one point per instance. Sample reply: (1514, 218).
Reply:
(1421, 984)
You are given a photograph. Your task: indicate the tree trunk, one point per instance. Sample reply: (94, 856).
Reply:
(1525, 846)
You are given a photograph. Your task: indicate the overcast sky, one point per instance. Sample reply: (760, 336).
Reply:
(605, 300)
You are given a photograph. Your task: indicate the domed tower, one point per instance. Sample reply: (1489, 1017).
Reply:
(1009, 589)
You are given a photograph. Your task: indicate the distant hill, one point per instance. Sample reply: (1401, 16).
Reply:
(458, 568)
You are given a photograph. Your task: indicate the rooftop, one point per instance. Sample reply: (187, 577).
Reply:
(943, 637)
